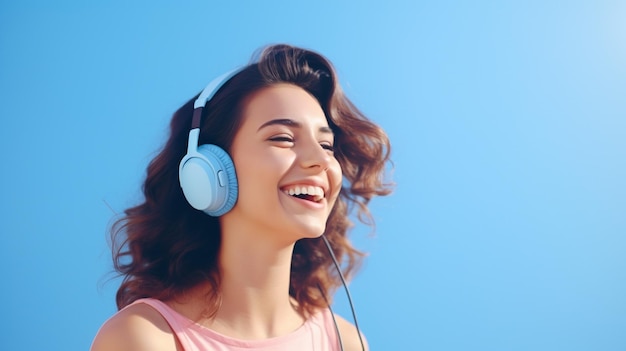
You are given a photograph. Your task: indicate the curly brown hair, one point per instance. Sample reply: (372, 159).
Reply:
(163, 247)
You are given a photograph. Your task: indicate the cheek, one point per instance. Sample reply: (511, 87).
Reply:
(335, 176)
(257, 169)
(246, 164)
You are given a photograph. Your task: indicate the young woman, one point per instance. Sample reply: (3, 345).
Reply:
(250, 270)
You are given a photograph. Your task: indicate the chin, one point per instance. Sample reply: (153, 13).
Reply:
(310, 231)
(313, 235)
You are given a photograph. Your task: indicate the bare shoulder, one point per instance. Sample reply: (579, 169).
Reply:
(138, 327)
(350, 336)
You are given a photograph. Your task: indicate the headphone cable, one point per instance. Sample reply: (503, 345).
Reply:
(345, 286)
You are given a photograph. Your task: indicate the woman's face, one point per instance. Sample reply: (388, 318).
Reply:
(288, 176)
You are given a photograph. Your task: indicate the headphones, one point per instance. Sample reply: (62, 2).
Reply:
(207, 173)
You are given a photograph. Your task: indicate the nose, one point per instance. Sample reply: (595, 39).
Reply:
(313, 156)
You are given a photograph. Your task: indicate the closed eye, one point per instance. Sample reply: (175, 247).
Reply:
(282, 138)
(328, 147)
(288, 139)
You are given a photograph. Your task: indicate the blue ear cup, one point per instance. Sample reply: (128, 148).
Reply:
(208, 180)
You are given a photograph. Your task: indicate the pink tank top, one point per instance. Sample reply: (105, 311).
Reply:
(316, 334)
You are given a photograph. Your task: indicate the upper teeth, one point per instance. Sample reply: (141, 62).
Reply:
(315, 191)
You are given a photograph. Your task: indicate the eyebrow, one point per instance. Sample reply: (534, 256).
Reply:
(291, 123)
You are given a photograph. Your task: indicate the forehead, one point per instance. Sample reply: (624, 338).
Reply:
(282, 101)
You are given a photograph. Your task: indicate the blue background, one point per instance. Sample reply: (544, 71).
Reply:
(507, 227)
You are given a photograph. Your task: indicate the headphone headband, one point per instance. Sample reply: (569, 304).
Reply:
(212, 88)
(198, 106)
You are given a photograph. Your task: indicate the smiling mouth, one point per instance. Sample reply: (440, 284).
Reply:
(306, 192)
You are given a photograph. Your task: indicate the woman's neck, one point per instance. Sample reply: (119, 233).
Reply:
(254, 285)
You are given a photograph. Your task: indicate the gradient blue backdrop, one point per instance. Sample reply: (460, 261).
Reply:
(508, 121)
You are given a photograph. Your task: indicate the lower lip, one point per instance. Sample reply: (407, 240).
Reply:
(307, 203)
